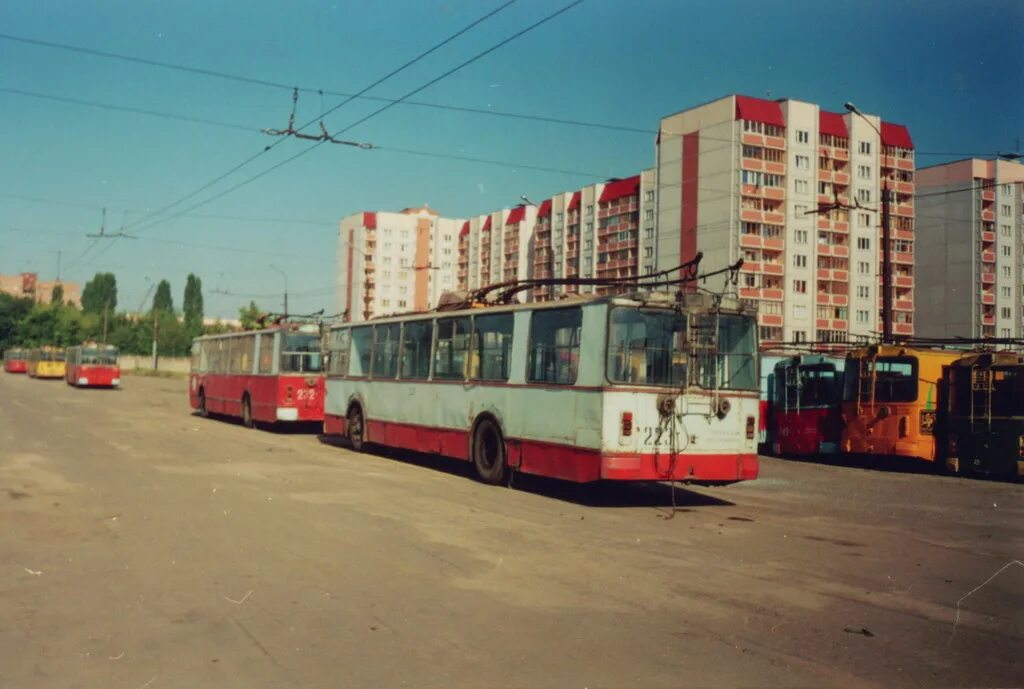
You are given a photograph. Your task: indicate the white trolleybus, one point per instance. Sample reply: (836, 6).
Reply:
(640, 387)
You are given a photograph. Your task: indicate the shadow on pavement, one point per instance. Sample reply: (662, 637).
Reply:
(599, 494)
(286, 428)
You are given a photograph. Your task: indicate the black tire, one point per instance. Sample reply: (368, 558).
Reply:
(355, 428)
(488, 452)
(202, 404)
(247, 413)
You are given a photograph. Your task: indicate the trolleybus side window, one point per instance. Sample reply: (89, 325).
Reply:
(385, 350)
(338, 346)
(362, 346)
(895, 379)
(451, 346)
(266, 353)
(416, 338)
(555, 346)
(647, 347)
(726, 352)
(197, 348)
(492, 347)
(300, 353)
(811, 386)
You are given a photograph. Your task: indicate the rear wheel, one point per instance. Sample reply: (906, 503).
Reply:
(489, 452)
(355, 428)
(202, 404)
(247, 413)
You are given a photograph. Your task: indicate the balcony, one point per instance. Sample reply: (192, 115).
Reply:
(841, 153)
(888, 161)
(903, 187)
(750, 241)
(903, 210)
(773, 319)
(988, 236)
(988, 256)
(824, 175)
(840, 275)
(842, 178)
(988, 278)
(903, 305)
(905, 164)
(840, 250)
(751, 215)
(771, 293)
(774, 217)
(774, 168)
(841, 226)
(988, 298)
(752, 139)
(988, 320)
(903, 280)
(775, 142)
(774, 243)
(772, 268)
(839, 324)
(754, 164)
(902, 257)
(988, 195)
(903, 234)
(824, 223)
(903, 328)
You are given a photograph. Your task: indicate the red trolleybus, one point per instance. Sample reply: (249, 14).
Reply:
(807, 411)
(16, 360)
(92, 365)
(261, 376)
(633, 387)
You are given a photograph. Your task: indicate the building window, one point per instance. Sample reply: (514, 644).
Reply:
(649, 214)
(863, 243)
(862, 316)
(863, 268)
(801, 186)
(864, 195)
(1005, 230)
(800, 286)
(1005, 312)
(865, 147)
(800, 210)
(802, 136)
(1006, 251)
(648, 270)
(1005, 291)
(863, 292)
(799, 236)
(1006, 209)
(800, 260)
(649, 195)
(648, 251)
(558, 218)
(863, 220)
(803, 163)
(590, 227)
(402, 302)
(864, 172)
(648, 232)
(1005, 332)
(1006, 271)
(1006, 189)
(588, 244)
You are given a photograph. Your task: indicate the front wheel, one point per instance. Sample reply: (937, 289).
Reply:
(489, 452)
(355, 429)
(247, 413)
(202, 404)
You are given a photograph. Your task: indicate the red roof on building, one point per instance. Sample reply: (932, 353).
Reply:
(896, 135)
(832, 123)
(545, 209)
(465, 230)
(370, 220)
(759, 110)
(575, 201)
(619, 188)
(516, 215)
(487, 225)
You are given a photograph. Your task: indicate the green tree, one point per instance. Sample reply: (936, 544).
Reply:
(250, 316)
(57, 296)
(100, 293)
(193, 305)
(13, 311)
(162, 300)
(39, 326)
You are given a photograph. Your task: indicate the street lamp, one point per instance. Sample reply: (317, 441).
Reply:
(285, 276)
(886, 239)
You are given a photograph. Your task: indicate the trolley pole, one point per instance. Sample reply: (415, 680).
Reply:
(285, 276)
(156, 332)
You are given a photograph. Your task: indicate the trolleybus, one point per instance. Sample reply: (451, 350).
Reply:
(806, 413)
(985, 414)
(263, 376)
(46, 362)
(16, 360)
(767, 361)
(638, 387)
(891, 401)
(92, 365)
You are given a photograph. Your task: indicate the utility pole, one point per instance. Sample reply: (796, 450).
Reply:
(886, 237)
(106, 310)
(156, 334)
(285, 276)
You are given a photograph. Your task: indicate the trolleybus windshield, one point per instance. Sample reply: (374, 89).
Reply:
(725, 353)
(895, 379)
(813, 385)
(998, 391)
(1008, 391)
(300, 353)
(647, 347)
(102, 357)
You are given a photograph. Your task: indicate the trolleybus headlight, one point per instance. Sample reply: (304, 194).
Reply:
(1021, 445)
(627, 423)
(724, 406)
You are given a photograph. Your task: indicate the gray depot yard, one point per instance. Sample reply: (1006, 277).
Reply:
(141, 546)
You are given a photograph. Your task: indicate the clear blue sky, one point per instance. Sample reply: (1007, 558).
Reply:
(952, 71)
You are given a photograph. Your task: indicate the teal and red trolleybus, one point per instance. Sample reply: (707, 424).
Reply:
(807, 416)
(267, 376)
(985, 414)
(92, 365)
(16, 360)
(634, 387)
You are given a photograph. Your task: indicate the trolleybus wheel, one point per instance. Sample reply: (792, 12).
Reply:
(489, 452)
(355, 427)
(202, 403)
(247, 412)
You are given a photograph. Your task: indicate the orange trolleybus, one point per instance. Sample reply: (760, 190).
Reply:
(92, 365)
(264, 376)
(891, 401)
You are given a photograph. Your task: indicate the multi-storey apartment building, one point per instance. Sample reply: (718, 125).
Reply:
(28, 285)
(395, 262)
(969, 220)
(495, 247)
(795, 191)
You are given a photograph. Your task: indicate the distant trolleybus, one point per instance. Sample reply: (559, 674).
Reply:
(269, 376)
(806, 409)
(985, 414)
(92, 365)
(891, 401)
(16, 360)
(629, 388)
(46, 362)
